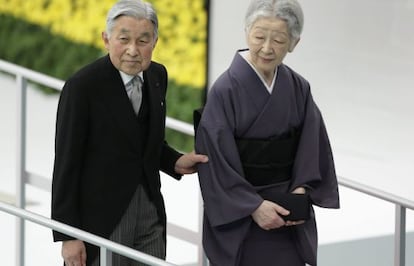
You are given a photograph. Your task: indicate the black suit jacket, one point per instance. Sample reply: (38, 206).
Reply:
(99, 160)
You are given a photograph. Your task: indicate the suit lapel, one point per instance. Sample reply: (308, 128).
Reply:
(119, 106)
(156, 103)
(118, 103)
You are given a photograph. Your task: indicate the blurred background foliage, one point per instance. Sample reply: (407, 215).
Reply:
(57, 37)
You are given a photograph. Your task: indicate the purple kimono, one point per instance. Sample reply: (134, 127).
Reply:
(239, 106)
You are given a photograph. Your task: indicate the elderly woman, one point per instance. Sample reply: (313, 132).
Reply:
(269, 154)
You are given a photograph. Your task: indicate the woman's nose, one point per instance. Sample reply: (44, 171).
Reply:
(267, 46)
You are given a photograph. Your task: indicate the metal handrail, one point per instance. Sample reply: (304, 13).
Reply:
(401, 204)
(31, 75)
(377, 193)
(22, 74)
(83, 235)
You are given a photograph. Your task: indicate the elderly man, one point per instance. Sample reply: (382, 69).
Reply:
(110, 143)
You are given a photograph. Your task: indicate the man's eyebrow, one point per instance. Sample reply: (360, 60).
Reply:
(146, 34)
(123, 30)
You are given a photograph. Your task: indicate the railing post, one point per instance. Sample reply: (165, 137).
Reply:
(399, 241)
(21, 89)
(205, 261)
(202, 258)
(105, 257)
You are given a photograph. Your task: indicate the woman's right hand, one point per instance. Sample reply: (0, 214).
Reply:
(267, 215)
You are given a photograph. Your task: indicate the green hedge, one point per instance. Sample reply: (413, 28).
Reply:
(181, 101)
(34, 47)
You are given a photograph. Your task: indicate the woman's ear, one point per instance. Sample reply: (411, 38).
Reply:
(155, 43)
(293, 45)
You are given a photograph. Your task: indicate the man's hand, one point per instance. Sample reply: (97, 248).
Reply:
(74, 253)
(187, 163)
(267, 216)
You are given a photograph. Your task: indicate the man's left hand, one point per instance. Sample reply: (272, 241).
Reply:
(187, 164)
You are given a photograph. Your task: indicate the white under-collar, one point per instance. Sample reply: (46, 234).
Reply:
(244, 54)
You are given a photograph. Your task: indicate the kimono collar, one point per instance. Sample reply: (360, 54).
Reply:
(244, 54)
(241, 70)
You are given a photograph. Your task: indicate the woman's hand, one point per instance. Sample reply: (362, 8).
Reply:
(268, 215)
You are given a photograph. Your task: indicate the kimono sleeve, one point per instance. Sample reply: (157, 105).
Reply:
(314, 165)
(228, 197)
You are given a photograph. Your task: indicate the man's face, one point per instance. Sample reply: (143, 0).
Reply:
(130, 44)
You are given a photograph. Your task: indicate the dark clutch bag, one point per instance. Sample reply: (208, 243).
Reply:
(298, 204)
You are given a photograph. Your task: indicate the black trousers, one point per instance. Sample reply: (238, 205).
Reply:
(139, 228)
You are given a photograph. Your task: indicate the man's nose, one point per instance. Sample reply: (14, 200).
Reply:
(133, 49)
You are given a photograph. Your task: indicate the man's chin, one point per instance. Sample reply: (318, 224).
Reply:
(131, 71)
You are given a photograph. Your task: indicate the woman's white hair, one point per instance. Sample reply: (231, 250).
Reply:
(287, 10)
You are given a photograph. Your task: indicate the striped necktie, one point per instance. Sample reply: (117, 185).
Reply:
(134, 90)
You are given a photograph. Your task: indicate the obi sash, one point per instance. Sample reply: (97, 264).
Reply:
(268, 161)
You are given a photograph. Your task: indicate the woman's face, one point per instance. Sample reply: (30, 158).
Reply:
(269, 41)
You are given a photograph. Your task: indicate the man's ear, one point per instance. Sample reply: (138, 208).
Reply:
(105, 39)
(293, 45)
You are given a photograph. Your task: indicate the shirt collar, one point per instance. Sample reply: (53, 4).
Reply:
(127, 78)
